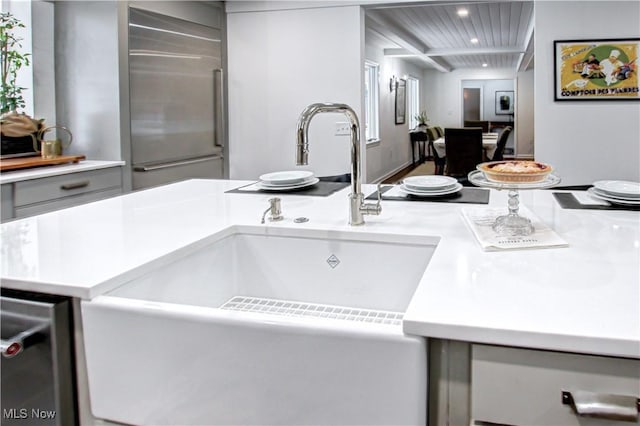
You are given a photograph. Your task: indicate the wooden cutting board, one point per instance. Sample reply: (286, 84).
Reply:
(37, 161)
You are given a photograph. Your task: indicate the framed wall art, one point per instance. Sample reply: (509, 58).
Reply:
(504, 102)
(599, 69)
(401, 101)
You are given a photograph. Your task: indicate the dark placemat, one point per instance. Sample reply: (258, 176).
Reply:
(320, 189)
(568, 201)
(465, 195)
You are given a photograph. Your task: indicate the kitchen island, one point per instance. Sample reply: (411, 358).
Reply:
(581, 299)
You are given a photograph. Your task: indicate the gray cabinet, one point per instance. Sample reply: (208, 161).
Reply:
(34, 196)
(525, 387)
(479, 384)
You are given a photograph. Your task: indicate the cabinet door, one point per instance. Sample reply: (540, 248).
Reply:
(6, 208)
(524, 387)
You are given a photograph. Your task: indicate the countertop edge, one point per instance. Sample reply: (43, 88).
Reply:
(588, 345)
(11, 176)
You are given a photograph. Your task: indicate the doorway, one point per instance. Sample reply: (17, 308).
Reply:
(471, 103)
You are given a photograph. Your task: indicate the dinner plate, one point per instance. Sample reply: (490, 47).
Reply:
(457, 187)
(280, 185)
(617, 197)
(286, 178)
(429, 182)
(626, 202)
(618, 188)
(267, 187)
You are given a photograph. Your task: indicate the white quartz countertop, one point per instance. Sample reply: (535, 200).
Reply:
(10, 176)
(583, 298)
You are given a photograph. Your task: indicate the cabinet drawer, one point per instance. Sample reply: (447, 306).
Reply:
(72, 184)
(34, 209)
(524, 387)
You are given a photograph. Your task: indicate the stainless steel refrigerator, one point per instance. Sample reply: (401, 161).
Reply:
(176, 96)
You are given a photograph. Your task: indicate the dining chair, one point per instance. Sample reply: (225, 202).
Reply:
(439, 162)
(463, 149)
(478, 123)
(498, 155)
(421, 139)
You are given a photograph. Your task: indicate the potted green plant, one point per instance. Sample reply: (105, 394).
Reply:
(422, 119)
(12, 61)
(19, 131)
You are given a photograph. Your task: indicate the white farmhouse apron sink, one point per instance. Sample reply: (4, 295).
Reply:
(264, 325)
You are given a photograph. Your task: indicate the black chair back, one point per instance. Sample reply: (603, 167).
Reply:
(502, 142)
(477, 123)
(464, 150)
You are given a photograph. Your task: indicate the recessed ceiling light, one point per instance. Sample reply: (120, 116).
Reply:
(484, 65)
(474, 40)
(463, 12)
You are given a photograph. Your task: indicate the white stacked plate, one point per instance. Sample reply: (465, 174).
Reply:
(430, 185)
(616, 192)
(287, 180)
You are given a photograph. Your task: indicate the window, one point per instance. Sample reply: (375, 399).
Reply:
(413, 101)
(371, 97)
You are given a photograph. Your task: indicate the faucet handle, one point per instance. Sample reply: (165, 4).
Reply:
(373, 209)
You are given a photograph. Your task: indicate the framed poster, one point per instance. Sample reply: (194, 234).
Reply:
(504, 102)
(401, 100)
(589, 70)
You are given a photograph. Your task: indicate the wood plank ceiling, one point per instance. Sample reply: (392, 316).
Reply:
(433, 35)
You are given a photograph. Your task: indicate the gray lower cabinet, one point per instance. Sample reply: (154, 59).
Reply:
(6, 208)
(531, 387)
(35, 196)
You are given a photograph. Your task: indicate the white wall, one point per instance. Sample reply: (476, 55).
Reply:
(393, 152)
(443, 92)
(279, 62)
(585, 141)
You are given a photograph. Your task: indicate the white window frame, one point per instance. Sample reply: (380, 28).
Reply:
(372, 101)
(413, 101)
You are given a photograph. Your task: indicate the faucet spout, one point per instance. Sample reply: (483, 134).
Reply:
(357, 206)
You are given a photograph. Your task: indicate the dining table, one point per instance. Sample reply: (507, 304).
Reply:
(489, 144)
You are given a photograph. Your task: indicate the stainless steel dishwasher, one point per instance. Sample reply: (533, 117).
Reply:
(37, 363)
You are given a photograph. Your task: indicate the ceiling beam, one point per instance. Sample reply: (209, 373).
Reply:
(456, 52)
(405, 39)
(525, 58)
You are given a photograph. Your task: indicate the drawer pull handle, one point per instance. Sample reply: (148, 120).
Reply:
(75, 185)
(603, 406)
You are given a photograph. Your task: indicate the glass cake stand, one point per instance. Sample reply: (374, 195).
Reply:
(512, 224)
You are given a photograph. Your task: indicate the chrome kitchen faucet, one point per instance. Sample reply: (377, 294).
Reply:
(357, 206)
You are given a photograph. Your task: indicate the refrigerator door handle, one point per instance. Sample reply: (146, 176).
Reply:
(176, 163)
(219, 106)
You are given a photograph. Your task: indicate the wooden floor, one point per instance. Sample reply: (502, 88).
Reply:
(426, 168)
